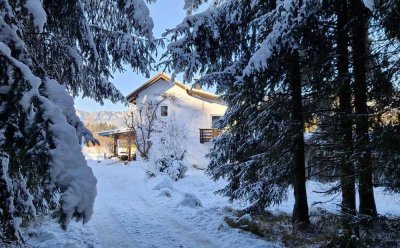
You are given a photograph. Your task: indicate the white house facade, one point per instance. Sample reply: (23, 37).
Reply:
(197, 109)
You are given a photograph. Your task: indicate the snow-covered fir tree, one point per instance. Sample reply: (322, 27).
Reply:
(282, 64)
(383, 78)
(258, 55)
(340, 153)
(50, 50)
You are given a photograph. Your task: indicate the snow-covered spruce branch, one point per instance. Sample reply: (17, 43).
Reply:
(48, 50)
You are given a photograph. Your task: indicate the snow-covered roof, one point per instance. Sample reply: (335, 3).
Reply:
(193, 92)
(112, 132)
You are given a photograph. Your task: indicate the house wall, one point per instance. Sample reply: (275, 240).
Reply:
(196, 112)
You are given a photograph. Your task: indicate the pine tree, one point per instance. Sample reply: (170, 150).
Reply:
(300, 210)
(345, 70)
(339, 149)
(362, 141)
(345, 110)
(385, 136)
(262, 64)
(387, 13)
(331, 146)
(49, 49)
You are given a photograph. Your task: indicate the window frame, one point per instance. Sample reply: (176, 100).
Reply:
(212, 122)
(162, 112)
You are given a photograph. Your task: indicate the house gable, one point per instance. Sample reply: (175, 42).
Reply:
(165, 78)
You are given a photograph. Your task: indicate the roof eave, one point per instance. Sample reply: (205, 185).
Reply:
(200, 93)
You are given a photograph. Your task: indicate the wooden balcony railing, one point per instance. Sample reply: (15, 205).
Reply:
(208, 134)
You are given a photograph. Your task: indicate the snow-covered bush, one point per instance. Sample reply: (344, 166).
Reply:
(163, 183)
(171, 146)
(174, 168)
(172, 138)
(190, 200)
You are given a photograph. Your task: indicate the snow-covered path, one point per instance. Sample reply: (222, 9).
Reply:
(133, 211)
(129, 213)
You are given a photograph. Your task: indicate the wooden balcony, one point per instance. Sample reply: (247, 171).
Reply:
(208, 134)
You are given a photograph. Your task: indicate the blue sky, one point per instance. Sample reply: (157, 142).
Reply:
(165, 14)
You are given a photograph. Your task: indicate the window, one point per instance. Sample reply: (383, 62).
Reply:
(215, 121)
(164, 110)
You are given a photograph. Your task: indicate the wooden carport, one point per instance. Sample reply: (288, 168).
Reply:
(117, 134)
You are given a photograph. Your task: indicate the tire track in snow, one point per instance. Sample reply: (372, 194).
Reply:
(107, 227)
(187, 232)
(110, 231)
(140, 222)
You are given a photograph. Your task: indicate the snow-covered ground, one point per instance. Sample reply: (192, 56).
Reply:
(133, 211)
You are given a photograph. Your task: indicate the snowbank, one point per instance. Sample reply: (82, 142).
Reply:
(134, 211)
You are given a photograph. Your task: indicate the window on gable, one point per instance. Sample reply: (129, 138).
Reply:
(164, 110)
(215, 121)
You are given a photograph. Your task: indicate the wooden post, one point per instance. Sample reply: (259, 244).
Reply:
(115, 139)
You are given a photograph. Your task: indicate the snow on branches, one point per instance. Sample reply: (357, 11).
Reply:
(48, 52)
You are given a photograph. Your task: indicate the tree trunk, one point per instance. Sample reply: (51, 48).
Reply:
(300, 210)
(362, 142)
(8, 233)
(347, 172)
(347, 167)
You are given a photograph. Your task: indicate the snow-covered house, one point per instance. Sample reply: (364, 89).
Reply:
(197, 109)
